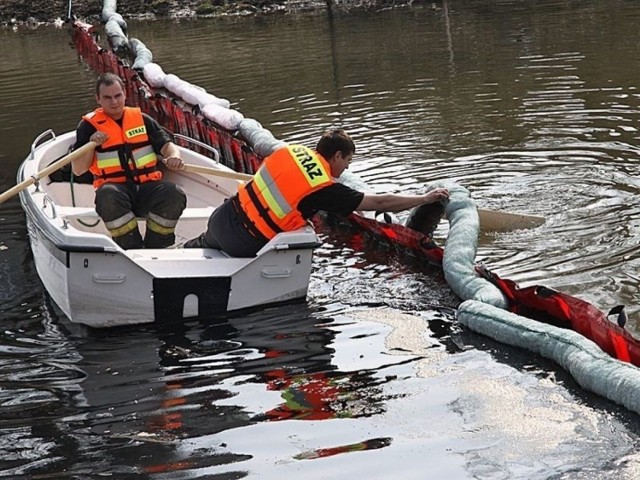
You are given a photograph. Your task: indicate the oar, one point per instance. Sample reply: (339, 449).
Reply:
(490, 220)
(218, 173)
(493, 221)
(57, 165)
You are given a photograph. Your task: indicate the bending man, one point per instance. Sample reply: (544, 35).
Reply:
(125, 169)
(292, 184)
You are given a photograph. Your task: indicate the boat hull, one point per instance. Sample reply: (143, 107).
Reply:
(95, 282)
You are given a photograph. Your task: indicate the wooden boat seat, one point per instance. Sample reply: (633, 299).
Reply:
(89, 213)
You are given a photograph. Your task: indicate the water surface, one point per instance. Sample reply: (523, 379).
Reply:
(532, 106)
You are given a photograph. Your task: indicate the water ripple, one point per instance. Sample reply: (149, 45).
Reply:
(529, 108)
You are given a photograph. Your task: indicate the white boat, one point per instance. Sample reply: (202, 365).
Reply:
(97, 283)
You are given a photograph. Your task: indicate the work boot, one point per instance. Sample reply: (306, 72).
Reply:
(156, 240)
(130, 240)
(197, 242)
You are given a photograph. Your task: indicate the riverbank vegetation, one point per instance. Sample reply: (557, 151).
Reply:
(35, 12)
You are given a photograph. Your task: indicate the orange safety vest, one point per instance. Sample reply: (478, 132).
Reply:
(129, 142)
(270, 200)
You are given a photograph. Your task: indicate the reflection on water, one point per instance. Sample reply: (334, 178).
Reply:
(258, 395)
(533, 107)
(165, 401)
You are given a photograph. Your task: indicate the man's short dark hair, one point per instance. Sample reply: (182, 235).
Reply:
(334, 140)
(108, 79)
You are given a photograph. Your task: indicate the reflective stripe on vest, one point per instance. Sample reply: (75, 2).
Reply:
(106, 160)
(129, 141)
(144, 156)
(274, 198)
(271, 199)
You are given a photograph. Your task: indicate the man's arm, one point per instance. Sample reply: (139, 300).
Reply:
(162, 143)
(84, 134)
(171, 156)
(390, 202)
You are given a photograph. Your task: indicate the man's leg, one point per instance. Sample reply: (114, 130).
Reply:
(162, 204)
(113, 204)
(207, 238)
(225, 232)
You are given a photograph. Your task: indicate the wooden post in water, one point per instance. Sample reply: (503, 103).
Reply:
(330, 8)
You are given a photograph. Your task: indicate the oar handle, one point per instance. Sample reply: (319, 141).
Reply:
(218, 173)
(489, 220)
(57, 165)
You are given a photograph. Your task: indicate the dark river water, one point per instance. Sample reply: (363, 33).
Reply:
(533, 106)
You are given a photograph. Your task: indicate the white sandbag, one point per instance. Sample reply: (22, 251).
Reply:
(181, 87)
(354, 181)
(117, 37)
(261, 140)
(142, 54)
(191, 92)
(225, 117)
(458, 262)
(197, 95)
(109, 8)
(154, 75)
(174, 84)
(205, 98)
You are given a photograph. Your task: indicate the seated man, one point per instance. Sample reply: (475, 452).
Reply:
(125, 169)
(292, 184)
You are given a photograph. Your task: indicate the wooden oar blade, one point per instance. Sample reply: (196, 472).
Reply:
(492, 221)
(57, 165)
